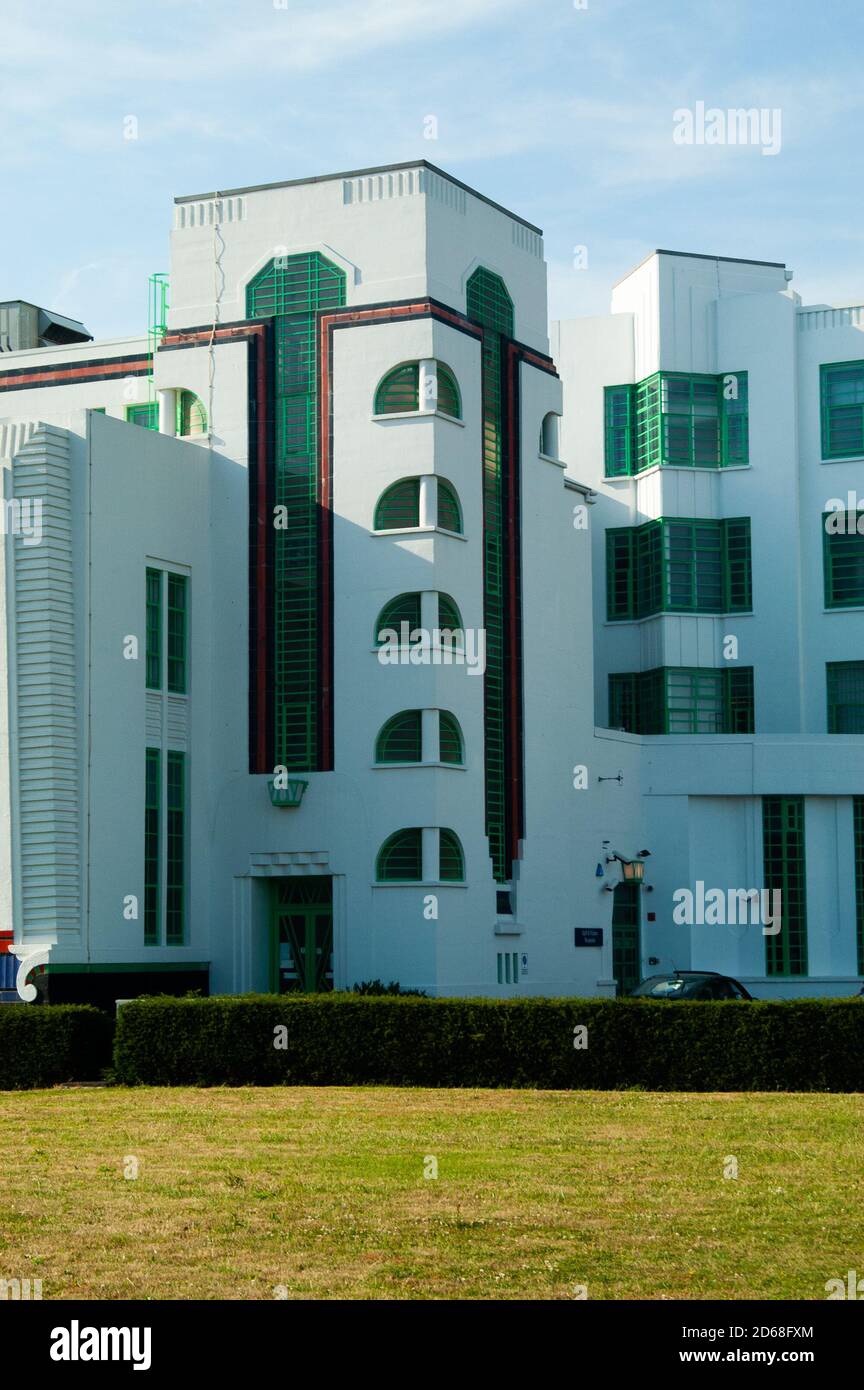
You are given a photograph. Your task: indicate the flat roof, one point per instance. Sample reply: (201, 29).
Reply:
(356, 174)
(700, 256)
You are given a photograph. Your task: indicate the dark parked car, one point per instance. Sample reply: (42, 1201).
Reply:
(690, 984)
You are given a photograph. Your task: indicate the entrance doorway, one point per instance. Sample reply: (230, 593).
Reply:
(302, 935)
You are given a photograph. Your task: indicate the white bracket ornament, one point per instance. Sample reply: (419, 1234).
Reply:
(29, 957)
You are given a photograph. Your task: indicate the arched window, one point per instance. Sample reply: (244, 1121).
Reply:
(449, 511)
(399, 506)
(400, 858)
(191, 415)
(451, 747)
(399, 390)
(449, 400)
(451, 867)
(449, 617)
(401, 738)
(404, 609)
(549, 435)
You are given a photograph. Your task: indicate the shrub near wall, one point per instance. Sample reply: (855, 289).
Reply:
(41, 1045)
(800, 1045)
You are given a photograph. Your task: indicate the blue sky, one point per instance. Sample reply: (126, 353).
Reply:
(563, 114)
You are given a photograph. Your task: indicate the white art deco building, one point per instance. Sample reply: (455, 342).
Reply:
(354, 630)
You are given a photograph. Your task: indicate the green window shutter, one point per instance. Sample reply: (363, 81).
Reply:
(146, 415)
(451, 747)
(845, 697)
(451, 868)
(784, 869)
(404, 609)
(175, 850)
(154, 630)
(152, 808)
(399, 391)
(400, 858)
(191, 415)
(449, 513)
(842, 409)
(626, 936)
(619, 573)
(177, 601)
(399, 506)
(400, 739)
(858, 828)
(618, 418)
(737, 565)
(449, 617)
(735, 443)
(449, 400)
(844, 560)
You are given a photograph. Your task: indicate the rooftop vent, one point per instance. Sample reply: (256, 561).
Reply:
(24, 326)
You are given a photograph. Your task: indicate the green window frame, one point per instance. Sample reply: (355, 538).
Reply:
(451, 745)
(683, 700)
(403, 609)
(152, 857)
(449, 511)
(191, 416)
(845, 690)
(841, 397)
(783, 840)
(145, 415)
(626, 936)
(858, 833)
(451, 857)
(175, 849)
(618, 405)
(153, 658)
(449, 398)
(676, 419)
(678, 565)
(843, 558)
(400, 858)
(399, 506)
(398, 392)
(178, 590)
(400, 739)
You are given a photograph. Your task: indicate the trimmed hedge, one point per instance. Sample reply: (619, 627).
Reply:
(41, 1045)
(800, 1045)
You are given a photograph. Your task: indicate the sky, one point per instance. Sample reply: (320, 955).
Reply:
(568, 112)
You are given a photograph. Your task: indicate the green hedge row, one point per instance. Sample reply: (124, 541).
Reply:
(43, 1044)
(801, 1045)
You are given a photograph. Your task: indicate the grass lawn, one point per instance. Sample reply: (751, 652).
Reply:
(322, 1191)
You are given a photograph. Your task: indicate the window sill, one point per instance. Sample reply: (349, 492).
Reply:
(843, 458)
(845, 608)
(677, 468)
(418, 415)
(508, 927)
(432, 648)
(547, 458)
(420, 883)
(390, 767)
(420, 531)
(688, 613)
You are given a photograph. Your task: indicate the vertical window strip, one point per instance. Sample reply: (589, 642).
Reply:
(177, 620)
(626, 936)
(858, 828)
(152, 800)
(784, 869)
(175, 845)
(153, 658)
(293, 290)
